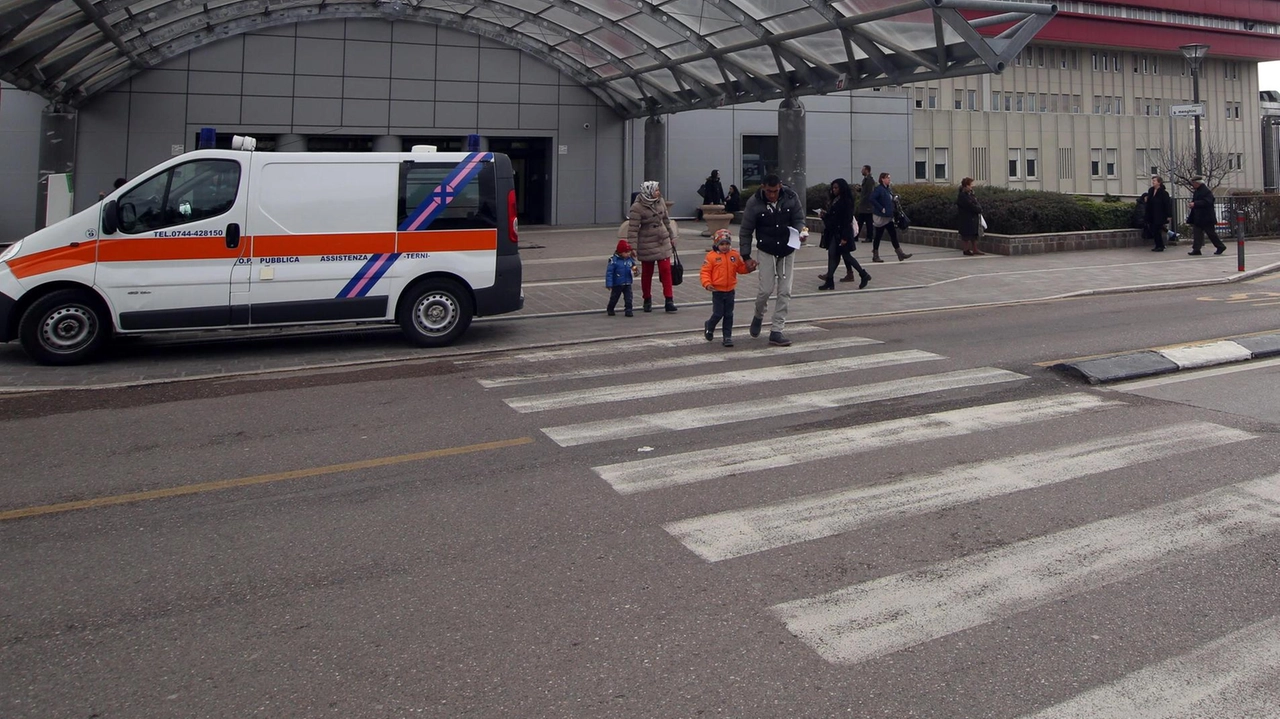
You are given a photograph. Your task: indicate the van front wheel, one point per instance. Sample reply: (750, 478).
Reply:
(434, 313)
(64, 327)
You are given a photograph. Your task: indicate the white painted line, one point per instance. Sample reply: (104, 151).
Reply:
(681, 385)
(726, 535)
(1233, 677)
(609, 369)
(784, 451)
(1213, 353)
(1191, 376)
(890, 614)
(570, 435)
(596, 349)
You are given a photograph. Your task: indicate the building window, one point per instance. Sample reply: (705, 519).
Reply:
(1095, 162)
(922, 163)
(1106, 105)
(1097, 104)
(939, 163)
(1044, 102)
(919, 98)
(1119, 105)
(1017, 59)
(759, 158)
(1066, 164)
(1158, 103)
(1015, 162)
(973, 99)
(1075, 59)
(933, 98)
(995, 101)
(1075, 104)
(1039, 57)
(1033, 157)
(1115, 63)
(1095, 62)
(959, 99)
(1231, 162)
(1153, 161)
(1144, 65)
(1155, 64)
(1053, 102)
(1111, 162)
(1008, 102)
(1021, 98)
(1135, 64)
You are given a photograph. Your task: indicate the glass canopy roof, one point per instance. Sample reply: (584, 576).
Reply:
(641, 57)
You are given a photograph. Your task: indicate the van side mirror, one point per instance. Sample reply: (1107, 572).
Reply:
(110, 218)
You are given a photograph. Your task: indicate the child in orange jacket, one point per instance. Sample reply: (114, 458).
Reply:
(720, 277)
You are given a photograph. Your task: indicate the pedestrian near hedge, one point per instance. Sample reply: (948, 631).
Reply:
(618, 276)
(970, 214)
(719, 276)
(839, 237)
(1204, 218)
(865, 210)
(1159, 211)
(649, 232)
(883, 206)
(712, 190)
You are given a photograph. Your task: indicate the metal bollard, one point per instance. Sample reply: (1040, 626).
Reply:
(1239, 241)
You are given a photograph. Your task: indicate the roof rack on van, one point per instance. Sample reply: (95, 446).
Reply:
(242, 142)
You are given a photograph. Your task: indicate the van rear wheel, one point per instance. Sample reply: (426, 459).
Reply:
(65, 327)
(434, 313)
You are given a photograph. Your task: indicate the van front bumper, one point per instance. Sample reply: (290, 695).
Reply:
(8, 330)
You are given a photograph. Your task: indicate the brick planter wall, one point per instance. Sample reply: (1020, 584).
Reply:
(1015, 244)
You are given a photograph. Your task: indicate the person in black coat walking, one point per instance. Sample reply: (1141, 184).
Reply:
(839, 237)
(1159, 211)
(970, 213)
(712, 190)
(1204, 218)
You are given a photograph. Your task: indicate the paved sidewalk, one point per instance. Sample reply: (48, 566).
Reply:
(565, 298)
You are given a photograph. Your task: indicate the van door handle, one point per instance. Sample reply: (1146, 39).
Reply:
(233, 235)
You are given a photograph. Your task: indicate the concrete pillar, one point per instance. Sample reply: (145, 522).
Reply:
(291, 143)
(655, 152)
(791, 145)
(388, 143)
(57, 153)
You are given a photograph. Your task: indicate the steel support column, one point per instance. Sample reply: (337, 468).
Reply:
(791, 145)
(655, 152)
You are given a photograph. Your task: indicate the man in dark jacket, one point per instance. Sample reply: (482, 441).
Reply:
(774, 217)
(1204, 218)
(864, 209)
(712, 190)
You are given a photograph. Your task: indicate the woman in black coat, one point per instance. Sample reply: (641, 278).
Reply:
(839, 238)
(733, 201)
(1159, 211)
(970, 213)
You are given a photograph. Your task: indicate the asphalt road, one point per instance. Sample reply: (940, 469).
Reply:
(905, 517)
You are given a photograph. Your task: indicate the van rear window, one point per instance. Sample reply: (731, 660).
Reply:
(473, 207)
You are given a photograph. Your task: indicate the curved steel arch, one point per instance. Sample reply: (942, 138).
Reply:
(640, 57)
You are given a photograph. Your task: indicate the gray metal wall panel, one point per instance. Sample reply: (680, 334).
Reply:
(405, 113)
(457, 63)
(457, 91)
(539, 117)
(268, 85)
(499, 65)
(456, 115)
(413, 62)
(534, 72)
(323, 28)
(420, 90)
(576, 95)
(267, 111)
(317, 111)
(316, 86)
(455, 38)
(224, 56)
(213, 109)
(214, 83)
(268, 54)
(369, 29)
(318, 57)
(498, 116)
(160, 81)
(367, 59)
(413, 32)
(365, 113)
(539, 94)
(366, 88)
(154, 112)
(20, 162)
(500, 92)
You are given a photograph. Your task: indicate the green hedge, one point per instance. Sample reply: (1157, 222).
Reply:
(815, 198)
(1015, 212)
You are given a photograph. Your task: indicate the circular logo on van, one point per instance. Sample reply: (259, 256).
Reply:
(91, 233)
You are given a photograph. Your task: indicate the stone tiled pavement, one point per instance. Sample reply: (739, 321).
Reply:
(565, 297)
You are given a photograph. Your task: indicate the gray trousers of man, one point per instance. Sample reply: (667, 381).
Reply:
(775, 275)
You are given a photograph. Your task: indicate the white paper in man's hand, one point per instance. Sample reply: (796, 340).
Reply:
(793, 238)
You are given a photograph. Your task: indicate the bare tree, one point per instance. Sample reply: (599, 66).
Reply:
(1180, 164)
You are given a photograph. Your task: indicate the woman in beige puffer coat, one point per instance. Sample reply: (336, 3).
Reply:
(650, 233)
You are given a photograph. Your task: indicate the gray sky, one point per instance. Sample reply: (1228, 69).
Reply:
(1269, 76)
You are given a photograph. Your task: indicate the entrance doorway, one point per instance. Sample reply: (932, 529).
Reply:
(531, 163)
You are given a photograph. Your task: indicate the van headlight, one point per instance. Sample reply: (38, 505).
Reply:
(11, 251)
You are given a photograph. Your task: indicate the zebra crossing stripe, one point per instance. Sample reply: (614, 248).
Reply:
(570, 435)
(1235, 676)
(689, 467)
(688, 360)
(596, 349)
(886, 615)
(726, 535)
(682, 385)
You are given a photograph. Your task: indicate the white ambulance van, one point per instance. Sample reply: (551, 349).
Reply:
(241, 239)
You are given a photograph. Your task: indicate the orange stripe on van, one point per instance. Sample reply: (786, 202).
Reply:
(447, 241)
(149, 249)
(345, 243)
(59, 258)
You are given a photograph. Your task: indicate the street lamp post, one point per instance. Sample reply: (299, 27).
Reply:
(1195, 53)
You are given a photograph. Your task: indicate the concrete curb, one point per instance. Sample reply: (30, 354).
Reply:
(1150, 362)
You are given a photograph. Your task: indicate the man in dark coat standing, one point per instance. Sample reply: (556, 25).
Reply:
(864, 209)
(1204, 218)
(712, 190)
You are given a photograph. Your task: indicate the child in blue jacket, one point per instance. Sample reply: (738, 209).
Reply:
(617, 277)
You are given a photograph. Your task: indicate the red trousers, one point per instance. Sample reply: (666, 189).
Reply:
(664, 275)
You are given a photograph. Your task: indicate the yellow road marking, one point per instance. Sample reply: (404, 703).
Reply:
(258, 479)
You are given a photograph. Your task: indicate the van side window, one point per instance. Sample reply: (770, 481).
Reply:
(185, 193)
(475, 208)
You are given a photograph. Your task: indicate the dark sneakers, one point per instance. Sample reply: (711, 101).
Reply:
(865, 279)
(1220, 250)
(670, 306)
(728, 342)
(707, 331)
(756, 324)
(776, 339)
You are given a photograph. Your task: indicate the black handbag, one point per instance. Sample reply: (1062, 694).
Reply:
(677, 269)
